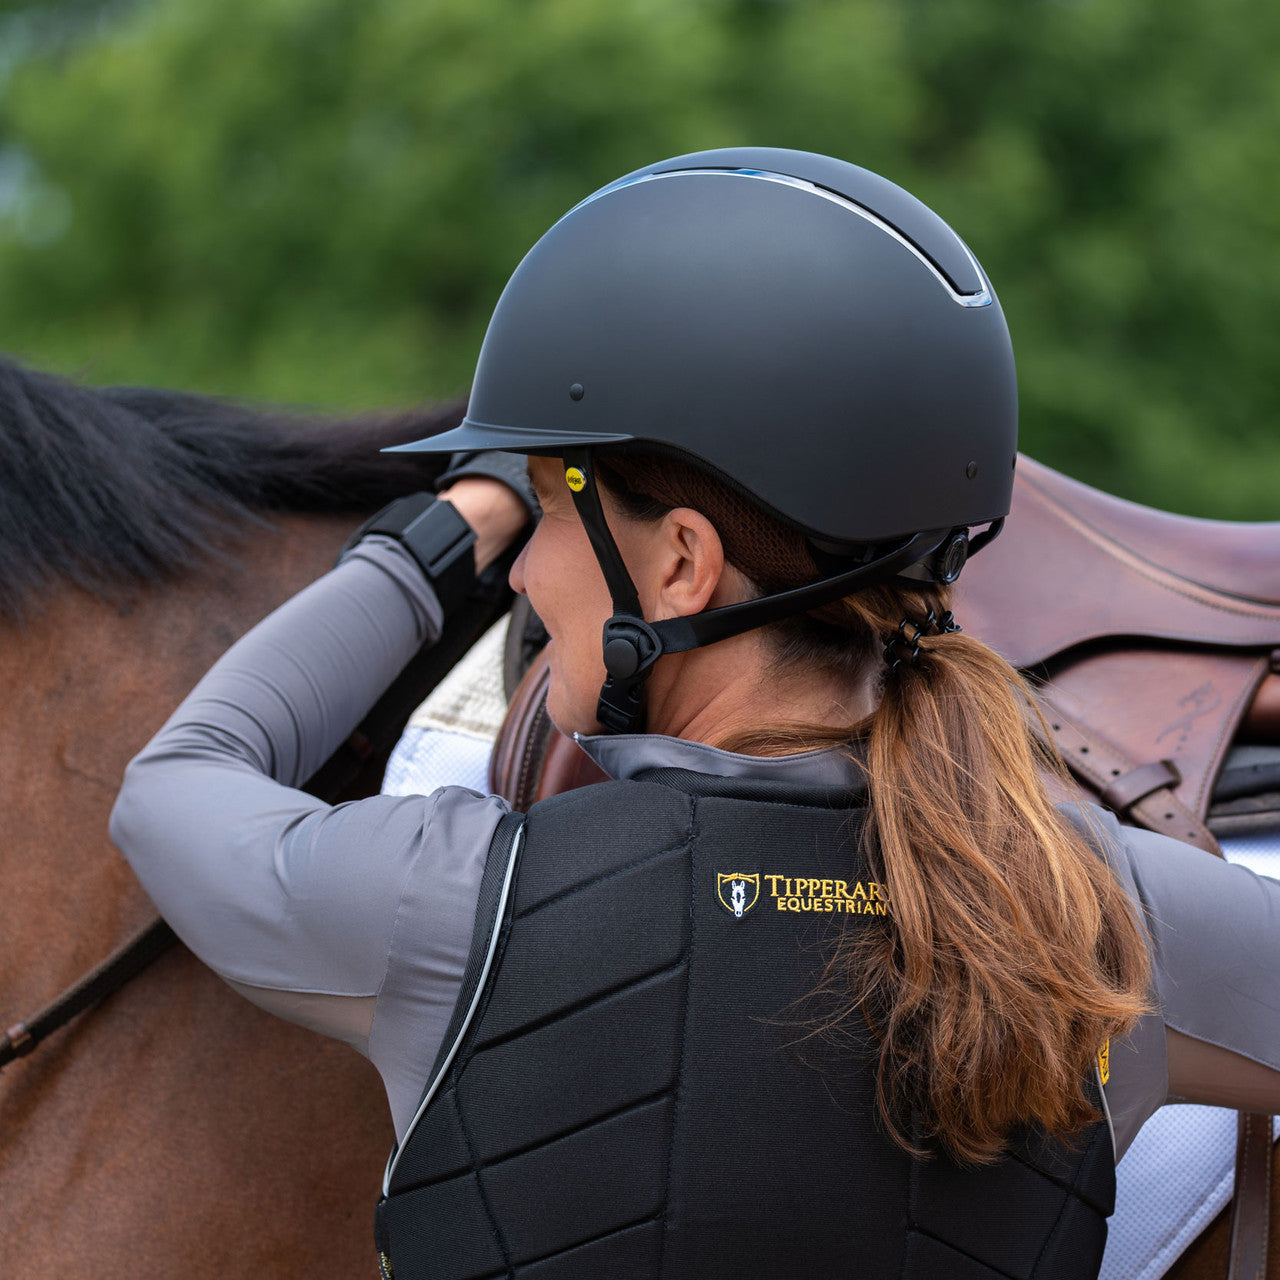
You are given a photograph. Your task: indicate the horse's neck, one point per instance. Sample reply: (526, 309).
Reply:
(86, 684)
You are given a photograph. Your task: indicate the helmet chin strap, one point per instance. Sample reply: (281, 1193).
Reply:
(632, 646)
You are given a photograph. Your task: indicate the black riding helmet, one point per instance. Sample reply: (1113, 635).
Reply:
(800, 328)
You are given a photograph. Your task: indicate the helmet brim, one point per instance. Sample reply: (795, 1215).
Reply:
(471, 436)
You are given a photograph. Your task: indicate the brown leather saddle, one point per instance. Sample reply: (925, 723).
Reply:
(1154, 636)
(1154, 643)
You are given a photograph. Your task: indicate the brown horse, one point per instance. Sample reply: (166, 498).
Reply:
(174, 1130)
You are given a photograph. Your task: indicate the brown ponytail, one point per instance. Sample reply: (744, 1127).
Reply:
(1011, 953)
(1014, 953)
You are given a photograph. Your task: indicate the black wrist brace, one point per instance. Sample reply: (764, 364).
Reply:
(436, 536)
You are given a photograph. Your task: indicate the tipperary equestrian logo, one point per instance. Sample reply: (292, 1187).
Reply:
(854, 898)
(737, 891)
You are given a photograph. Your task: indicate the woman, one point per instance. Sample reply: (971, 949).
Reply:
(822, 983)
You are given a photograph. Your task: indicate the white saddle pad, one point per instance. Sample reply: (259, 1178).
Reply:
(449, 738)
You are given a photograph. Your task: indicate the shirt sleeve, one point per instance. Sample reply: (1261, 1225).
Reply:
(276, 890)
(1214, 931)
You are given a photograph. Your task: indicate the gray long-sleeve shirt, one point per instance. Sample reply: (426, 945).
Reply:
(355, 919)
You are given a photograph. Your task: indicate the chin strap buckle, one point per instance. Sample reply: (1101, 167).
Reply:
(631, 647)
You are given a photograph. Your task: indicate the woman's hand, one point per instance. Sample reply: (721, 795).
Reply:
(493, 510)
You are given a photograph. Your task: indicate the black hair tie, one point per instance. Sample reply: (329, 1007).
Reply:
(904, 644)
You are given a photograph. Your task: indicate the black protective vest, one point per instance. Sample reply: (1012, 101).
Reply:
(627, 1100)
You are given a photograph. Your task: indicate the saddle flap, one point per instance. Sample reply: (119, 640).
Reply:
(1172, 714)
(1062, 577)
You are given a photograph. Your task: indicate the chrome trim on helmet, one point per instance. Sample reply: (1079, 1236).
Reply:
(981, 298)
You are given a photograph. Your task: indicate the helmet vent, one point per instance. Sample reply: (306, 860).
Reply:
(981, 297)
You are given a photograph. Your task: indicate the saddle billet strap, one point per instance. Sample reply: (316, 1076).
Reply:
(1141, 792)
(1249, 1220)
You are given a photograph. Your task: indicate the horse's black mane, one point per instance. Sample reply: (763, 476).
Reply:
(106, 487)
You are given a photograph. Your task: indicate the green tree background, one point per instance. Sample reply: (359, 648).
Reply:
(318, 201)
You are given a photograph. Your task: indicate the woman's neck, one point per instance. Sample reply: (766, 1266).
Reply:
(733, 690)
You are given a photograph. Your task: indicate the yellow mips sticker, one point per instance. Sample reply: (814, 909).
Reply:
(575, 479)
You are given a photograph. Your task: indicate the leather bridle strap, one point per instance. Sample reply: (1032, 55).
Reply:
(125, 962)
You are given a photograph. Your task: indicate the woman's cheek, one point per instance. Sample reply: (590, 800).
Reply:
(535, 581)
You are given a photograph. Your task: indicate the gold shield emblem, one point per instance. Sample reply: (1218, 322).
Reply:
(737, 891)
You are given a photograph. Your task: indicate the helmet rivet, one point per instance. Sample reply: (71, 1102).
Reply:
(971, 470)
(576, 391)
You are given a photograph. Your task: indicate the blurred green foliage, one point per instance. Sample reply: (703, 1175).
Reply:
(318, 201)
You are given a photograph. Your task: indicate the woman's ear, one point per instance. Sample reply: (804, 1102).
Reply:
(688, 566)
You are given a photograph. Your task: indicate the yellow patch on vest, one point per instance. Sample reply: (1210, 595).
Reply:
(738, 893)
